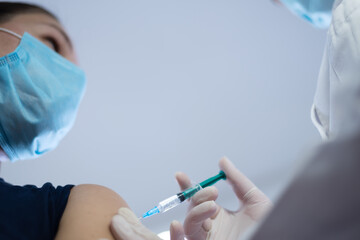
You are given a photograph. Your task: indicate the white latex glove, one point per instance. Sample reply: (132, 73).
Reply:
(126, 226)
(207, 220)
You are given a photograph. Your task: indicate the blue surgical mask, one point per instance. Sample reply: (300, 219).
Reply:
(40, 92)
(317, 12)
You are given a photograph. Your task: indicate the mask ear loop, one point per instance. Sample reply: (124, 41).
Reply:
(11, 33)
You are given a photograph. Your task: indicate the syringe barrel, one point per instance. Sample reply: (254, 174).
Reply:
(169, 203)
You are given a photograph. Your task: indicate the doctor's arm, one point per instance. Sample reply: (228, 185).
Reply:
(322, 202)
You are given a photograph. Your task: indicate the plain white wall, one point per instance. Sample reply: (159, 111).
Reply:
(175, 85)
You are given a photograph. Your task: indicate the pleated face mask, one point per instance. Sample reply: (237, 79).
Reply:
(40, 92)
(317, 12)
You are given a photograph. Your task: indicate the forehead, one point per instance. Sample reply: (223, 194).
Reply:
(31, 21)
(36, 24)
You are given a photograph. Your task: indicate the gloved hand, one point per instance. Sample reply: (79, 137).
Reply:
(207, 220)
(126, 226)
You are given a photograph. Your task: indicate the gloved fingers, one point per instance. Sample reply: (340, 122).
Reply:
(176, 231)
(254, 197)
(206, 194)
(259, 210)
(207, 225)
(194, 221)
(125, 225)
(244, 189)
(183, 180)
(121, 229)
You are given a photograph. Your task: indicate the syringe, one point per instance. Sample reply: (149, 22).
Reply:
(175, 200)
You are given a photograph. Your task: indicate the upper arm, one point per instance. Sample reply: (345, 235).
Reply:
(88, 213)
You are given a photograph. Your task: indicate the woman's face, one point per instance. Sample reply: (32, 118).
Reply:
(43, 27)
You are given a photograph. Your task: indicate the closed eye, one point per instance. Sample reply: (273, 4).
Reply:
(53, 43)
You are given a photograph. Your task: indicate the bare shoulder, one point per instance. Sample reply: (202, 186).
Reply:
(88, 213)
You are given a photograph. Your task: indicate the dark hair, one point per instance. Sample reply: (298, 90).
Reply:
(11, 9)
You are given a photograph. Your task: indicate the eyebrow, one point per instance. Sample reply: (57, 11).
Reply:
(61, 31)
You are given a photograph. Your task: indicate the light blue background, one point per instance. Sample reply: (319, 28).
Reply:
(176, 85)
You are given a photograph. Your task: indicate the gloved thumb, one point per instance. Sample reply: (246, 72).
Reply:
(176, 231)
(239, 182)
(125, 225)
(256, 203)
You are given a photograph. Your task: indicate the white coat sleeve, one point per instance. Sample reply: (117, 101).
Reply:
(322, 202)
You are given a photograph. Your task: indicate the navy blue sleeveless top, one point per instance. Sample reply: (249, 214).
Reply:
(28, 212)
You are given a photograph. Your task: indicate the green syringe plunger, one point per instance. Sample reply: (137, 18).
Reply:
(208, 182)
